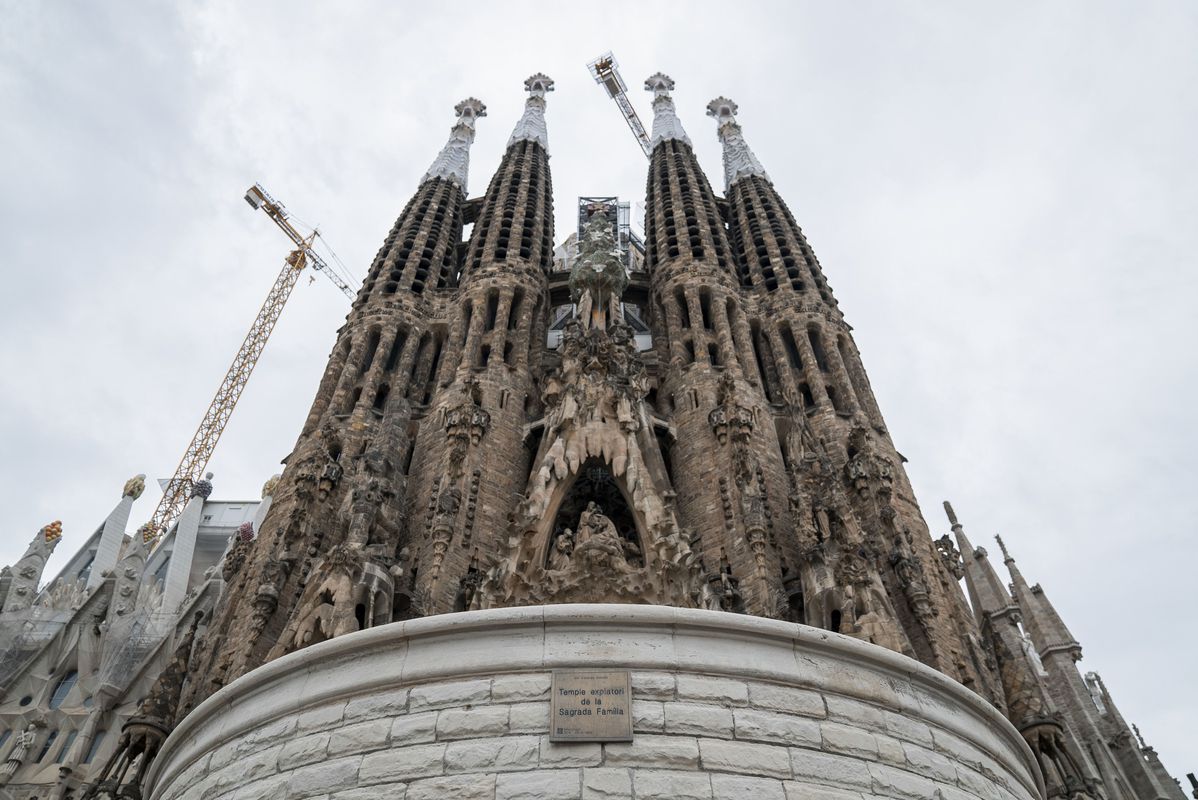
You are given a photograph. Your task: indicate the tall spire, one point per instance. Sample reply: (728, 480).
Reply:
(666, 124)
(1041, 619)
(986, 591)
(453, 162)
(739, 161)
(531, 126)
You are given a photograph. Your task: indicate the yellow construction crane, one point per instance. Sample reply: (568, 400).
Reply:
(606, 73)
(177, 490)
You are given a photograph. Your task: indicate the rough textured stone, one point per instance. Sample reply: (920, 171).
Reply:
(786, 698)
(570, 754)
(468, 723)
(739, 787)
(529, 718)
(360, 738)
(459, 787)
(764, 726)
(606, 783)
(747, 757)
(402, 764)
(383, 704)
(439, 695)
(298, 752)
(519, 688)
(660, 784)
(848, 740)
(677, 752)
(714, 690)
(492, 755)
(702, 720)
(539, 785)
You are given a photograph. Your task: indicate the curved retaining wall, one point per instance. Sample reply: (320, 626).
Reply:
(724, 706)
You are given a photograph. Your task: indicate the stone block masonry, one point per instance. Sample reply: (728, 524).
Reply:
(412, 710)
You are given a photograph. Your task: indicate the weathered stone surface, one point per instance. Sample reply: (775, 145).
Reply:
(740, 787)
(765, 726)
(492, 755)
(746, 757)
(731, 743)
(660, 784)
(696, 719)
(539, 785)
(606, 783)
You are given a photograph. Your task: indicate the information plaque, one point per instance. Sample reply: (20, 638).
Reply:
(591, 705)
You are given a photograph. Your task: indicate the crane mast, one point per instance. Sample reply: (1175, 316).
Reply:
(177, 490)
(606, 73)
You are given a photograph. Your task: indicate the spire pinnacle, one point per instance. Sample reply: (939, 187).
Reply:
(1006, 557)
(666, 124)
(453, 162)
(739, 161)
(531, 126)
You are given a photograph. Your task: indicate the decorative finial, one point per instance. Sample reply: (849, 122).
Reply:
(723, 109)
(952, 515)
(1140, 738)
(531, 126)
(1006, 557)
(453, 162)
(149, 532)
(659, 83)
(134, 486)
(538, 85)
(203, 487)
(53, 531)
(268, 488)
(666, 124)
(245, 531)
(739, 161)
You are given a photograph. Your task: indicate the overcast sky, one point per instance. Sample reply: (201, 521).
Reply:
(1003, 195)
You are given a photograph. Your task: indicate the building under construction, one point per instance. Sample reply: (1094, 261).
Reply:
(651, 466)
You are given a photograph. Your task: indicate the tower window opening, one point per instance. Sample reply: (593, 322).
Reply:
(513, 314)
(380, 397)
(684, 314)
(817, 346)
(508, 353)
(713, 354)
(407, 459)
(372, 344)
(393, 355)
(467, 314)
(492, 309)
(792, 348)
(354, 397)
(689, 345)
(807, 397)
(705, 308)
(484, 356)
(835, 622)
(834, 396)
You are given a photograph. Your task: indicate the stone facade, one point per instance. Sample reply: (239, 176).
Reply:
(724, 707)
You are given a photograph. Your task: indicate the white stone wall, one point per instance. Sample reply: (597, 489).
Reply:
(725, 706)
